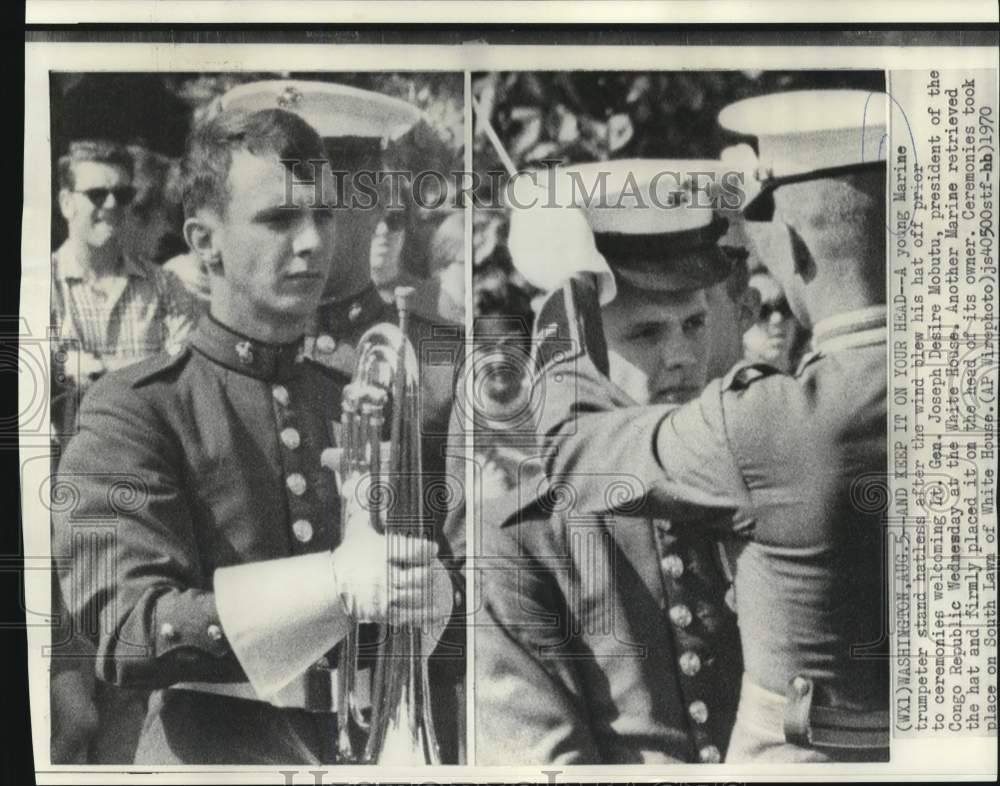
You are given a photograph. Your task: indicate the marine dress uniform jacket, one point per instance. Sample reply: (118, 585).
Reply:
(606, 638)
(183, 464)
(803, 457)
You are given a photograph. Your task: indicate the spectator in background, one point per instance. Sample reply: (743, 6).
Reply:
(441, 296)
(397, 254)
(776, 337)
(111, 308)
(387, 252)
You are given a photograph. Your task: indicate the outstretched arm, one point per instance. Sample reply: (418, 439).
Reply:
(679, 456)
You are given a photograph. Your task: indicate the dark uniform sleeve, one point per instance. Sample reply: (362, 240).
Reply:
(529, 708)
(132, 581)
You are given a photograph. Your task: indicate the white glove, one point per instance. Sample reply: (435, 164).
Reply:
(550, 240)
(391, 578)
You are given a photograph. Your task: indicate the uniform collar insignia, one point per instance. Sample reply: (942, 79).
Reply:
(243, 354)
(244, 351)
(343, 318)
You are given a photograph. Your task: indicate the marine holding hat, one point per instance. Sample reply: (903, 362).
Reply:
(792, 456)
(608, 638)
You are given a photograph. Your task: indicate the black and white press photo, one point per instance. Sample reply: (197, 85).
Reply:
(494, 405)
(258, 541)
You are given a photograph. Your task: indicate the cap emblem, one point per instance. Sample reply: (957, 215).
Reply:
(289, 98)
(244, 351)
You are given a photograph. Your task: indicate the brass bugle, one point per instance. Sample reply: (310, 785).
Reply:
(384, 393)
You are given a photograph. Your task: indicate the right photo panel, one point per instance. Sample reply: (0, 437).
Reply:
(679, 323)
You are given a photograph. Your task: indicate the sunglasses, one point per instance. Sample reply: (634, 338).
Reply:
(99, 196)
(778, 307)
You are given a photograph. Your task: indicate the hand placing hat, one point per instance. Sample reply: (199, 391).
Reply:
(551, 241)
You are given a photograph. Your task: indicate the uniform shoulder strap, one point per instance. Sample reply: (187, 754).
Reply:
(569, 326)
(155, 367)
(743, 375)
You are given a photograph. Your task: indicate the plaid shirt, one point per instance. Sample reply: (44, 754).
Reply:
(136, 314)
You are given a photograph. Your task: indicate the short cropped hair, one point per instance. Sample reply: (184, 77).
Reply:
(100, 151)
(211, 145)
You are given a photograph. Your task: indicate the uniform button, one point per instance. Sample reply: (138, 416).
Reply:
(325, 344)
(296, 484)
(698, 711)
(710, 755)
(673, 566)
(680, 615)
(168, 631)
(690, 663)
(280, 393)
(330, 458)
(303, 531)
(214, 632)
(354, 313)
(290, 438)
(800, 685)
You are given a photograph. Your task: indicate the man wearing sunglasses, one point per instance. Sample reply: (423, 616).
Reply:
(111, 307)
(776, 338)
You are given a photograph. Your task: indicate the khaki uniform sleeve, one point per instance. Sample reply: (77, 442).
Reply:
(530, 708)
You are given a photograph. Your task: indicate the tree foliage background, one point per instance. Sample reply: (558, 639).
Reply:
(581, 116)
(157, 110)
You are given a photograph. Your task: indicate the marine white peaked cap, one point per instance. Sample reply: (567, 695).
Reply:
(639, 196)
(644, 224)
(809, 130)
(334, 110)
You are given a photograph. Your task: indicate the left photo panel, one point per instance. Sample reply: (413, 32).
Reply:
(256, 321)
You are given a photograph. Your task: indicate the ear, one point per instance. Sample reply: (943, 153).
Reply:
(66, 203)
(802, 259)
(202, 238)
(748, 309)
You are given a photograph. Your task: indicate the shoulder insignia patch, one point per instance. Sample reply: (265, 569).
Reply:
(569, 326)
